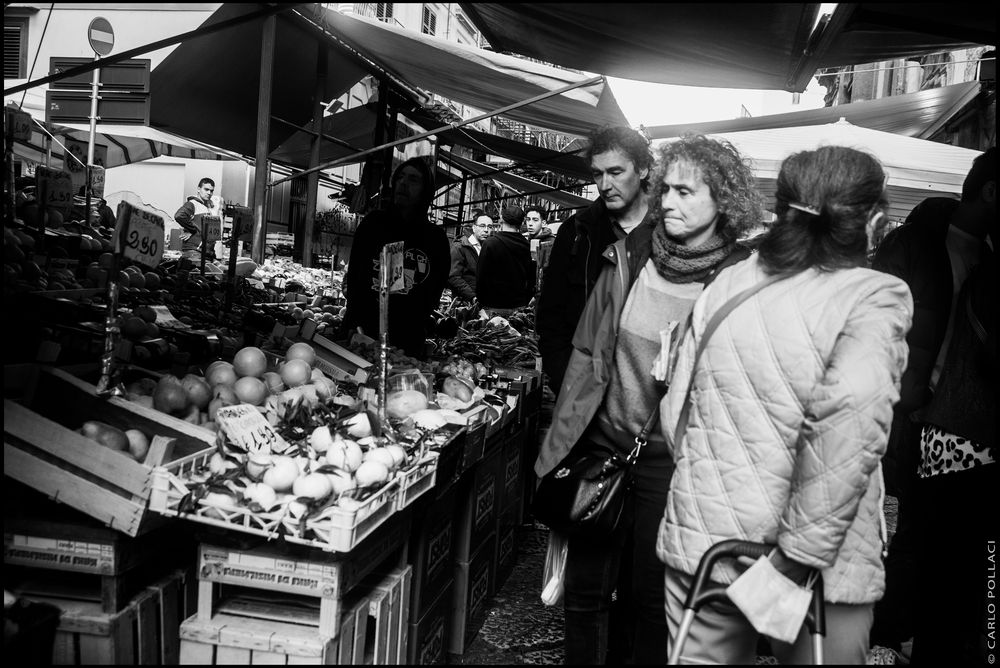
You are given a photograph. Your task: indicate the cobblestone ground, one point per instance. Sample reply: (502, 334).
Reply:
(521, 630)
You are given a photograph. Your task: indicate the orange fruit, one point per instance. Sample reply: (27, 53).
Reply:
(134, 327)
(251, 390)
(301, 351)
(221, 373)
(296, 372)
(250, 361)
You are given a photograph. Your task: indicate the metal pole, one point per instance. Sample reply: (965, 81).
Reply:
(423, 135)
(461, 206)
(312, 185)
(95, 83)
(263, 133)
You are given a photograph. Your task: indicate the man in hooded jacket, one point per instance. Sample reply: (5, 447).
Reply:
(505, 278)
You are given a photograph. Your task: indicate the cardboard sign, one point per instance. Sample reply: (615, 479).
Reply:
(394, 255)
(249, 430)
(78, 168)
(139, 235)
(20, 124)
(211, 229)
(57, 186)
(164, 318)
(97, 183)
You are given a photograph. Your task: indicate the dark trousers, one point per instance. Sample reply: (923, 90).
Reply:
(635, 627)
(956, 557)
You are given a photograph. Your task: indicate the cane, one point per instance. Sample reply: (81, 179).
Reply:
(703, 591)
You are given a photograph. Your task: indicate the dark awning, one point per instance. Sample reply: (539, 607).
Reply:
(731, 45)
(518, 183)
(913, 115)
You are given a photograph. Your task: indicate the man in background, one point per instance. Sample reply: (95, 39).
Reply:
(506, 278)
(190, 215)
(465, 257)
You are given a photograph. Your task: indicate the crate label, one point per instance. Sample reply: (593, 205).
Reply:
(506, 545)
(479, 589)
(439, 550)
(263, 572)
(69, 554)
(513, 470)
(432, 648)
(164, 318)
(249, 430)
(484, 503)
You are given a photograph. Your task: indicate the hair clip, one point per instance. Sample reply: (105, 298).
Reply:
(805, 208)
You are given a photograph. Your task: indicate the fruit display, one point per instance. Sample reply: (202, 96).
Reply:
(312, 280)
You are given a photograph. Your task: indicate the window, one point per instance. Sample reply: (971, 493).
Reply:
(15, 47)
(383, 11)
(429, 26)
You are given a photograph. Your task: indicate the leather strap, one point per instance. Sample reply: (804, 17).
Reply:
(713, 324)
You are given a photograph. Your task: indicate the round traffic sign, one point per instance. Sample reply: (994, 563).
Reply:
(101, 36)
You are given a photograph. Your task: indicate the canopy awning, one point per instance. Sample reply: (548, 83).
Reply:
(917, 168)
(745, 45)
(125, 144)
(912, 115)
(518, 183)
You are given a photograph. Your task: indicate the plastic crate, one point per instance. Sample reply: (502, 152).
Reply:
(417, 480)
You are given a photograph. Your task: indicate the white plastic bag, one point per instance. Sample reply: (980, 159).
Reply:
(773, 604)
(553, 576)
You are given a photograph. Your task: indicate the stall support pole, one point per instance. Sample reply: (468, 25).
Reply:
(390, 135)
(263, 136)
(312, 182)
(376, 179)
(461, 208)
(95, 83)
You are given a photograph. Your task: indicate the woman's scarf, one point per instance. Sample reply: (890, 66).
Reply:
(687, 264)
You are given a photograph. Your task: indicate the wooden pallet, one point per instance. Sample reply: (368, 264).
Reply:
(143, 633)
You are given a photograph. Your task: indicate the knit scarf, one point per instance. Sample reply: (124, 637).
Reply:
(687, 264)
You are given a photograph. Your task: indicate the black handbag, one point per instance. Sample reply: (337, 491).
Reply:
(585, 494)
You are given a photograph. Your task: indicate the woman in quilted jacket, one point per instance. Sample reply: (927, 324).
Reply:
(791, 404)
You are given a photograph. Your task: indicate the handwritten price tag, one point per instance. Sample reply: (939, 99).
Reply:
(20, 124)
(139, 234)
(211, 229)
(57, 186)
(97, 182)
(164, 318)
(394, 253)
(249, 430)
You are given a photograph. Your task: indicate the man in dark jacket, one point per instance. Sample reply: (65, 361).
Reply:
(426, 262)
(465, 257)
(506, 277)
(620, 162)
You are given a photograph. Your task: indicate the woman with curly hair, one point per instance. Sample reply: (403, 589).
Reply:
(704, 199)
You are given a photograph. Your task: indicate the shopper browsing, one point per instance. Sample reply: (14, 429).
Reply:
(505, 278)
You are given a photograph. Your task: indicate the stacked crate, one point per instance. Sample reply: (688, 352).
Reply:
(319, 607)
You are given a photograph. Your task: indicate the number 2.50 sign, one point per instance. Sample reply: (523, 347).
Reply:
(139, 235)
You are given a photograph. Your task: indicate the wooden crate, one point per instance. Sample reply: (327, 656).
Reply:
(289, 569)
(428, 636)
(389, 616)
(478, 503)
(431, 551)
(145, 632)
(506, 556)
(56, 549)
(471, 596)
(44, 407)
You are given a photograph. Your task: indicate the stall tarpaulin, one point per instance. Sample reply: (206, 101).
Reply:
(917, 168)
(773, 46)
(517, 183)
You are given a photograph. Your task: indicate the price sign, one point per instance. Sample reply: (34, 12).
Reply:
(139, 235)
(97, 182)
(20, 124)
(57, 186)
(78, 168)
(211, 229)
(249, 430)
(394, 255)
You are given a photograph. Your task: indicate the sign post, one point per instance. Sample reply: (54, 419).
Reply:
(101, 36)
(390, 282)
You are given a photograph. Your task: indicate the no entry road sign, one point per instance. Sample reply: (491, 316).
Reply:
(101, 36)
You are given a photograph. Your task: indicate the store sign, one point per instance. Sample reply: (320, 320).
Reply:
(211, 229)
(20, 124)
(248, 430)
(56, 187)
(139, 235)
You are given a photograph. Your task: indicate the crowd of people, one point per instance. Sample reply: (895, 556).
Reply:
(780, 375)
